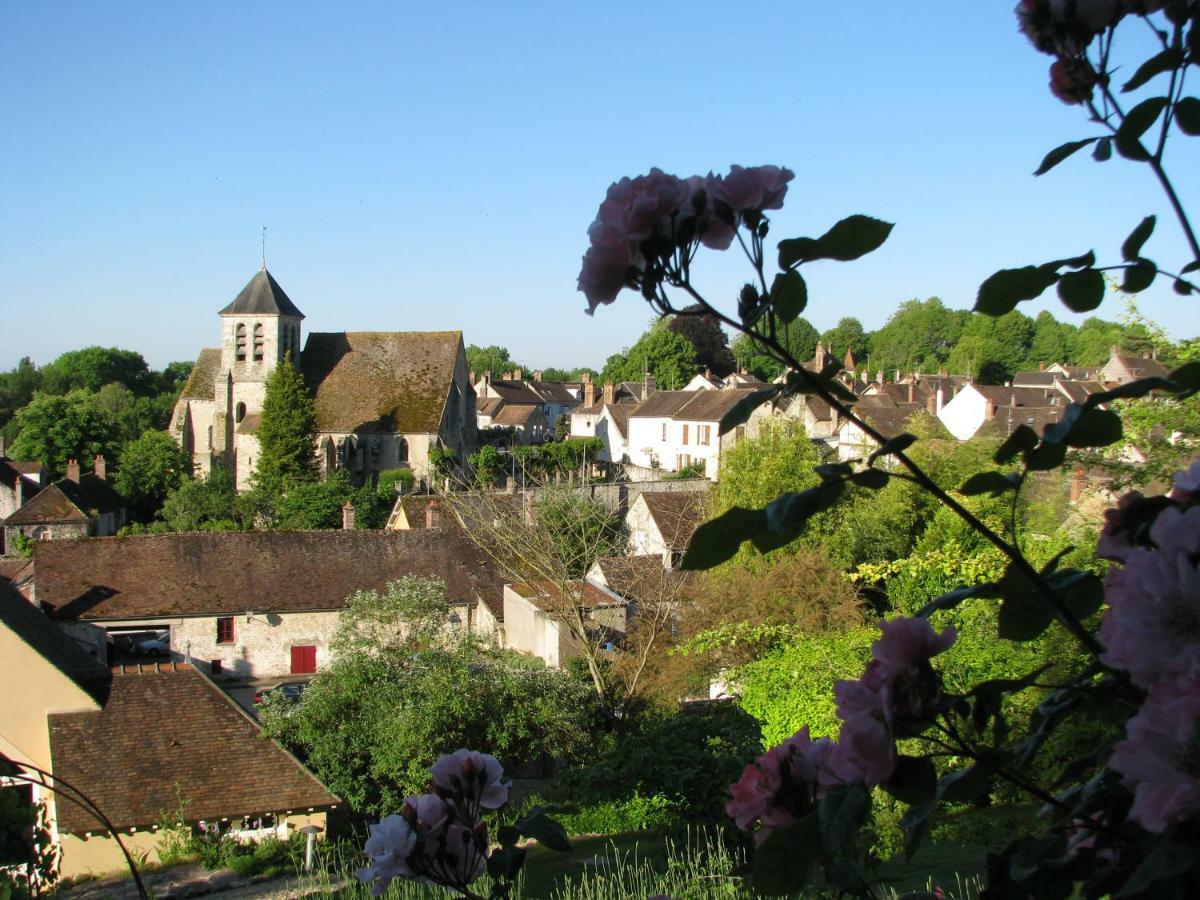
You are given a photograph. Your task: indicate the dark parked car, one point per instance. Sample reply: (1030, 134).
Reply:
(287, 690)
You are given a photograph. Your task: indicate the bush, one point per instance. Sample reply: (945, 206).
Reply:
(633, 813)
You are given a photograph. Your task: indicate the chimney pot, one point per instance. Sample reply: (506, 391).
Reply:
(537, 376)
(589, 394)
(912, 397)
(609, 393)
(348, 516)
(73, 470)
(517, 373)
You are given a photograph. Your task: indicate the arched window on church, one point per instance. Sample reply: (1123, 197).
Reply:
(258, 342)
(239, 412)
(401, 451)
(239, 334)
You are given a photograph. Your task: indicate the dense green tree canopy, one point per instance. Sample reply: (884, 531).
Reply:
(93, 367)
(203, 504)
(707, 338)
(151, 466)
(490, 359)
(992, 350)
(54, 429)
(848, 334)
(663, 353)
(287, 433)
(918, 337)
(799, 337)
(16, 389)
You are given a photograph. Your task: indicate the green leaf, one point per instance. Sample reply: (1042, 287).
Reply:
(840, 814)
(892, 446)
(964, 786)
(1021, 440)
(1000, 293)
(718, 540)
(1137, 121)
(1094, 428)
(1139, 276)
(1171, 58)
(789, 295)
(956, 597)
(1045, 457)
(916, 823)
(543, 829)
(874, 479)
(1131, 389)
(1081, 291)
(742, 410)
(1061, 152)
(1167, 860)
(1187, 115)
(1024, 613)
(788, 514)
(852, 237)
(1187, 377)
(994, 483)
(508, 836)
(914, 780)
(1132, 248)
(782, 863)
(1182, 288)
(1103, 151)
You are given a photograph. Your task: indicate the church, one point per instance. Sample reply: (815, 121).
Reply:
(383, 399)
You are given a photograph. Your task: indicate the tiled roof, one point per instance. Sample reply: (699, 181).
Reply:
(380, 381)
(516, 392)
(14, 474)
(889, 420)
(202, 381)
(676, 513)
(711, 406)
(220, 573)
(1142, 367)
(14, 570)
(42, 636)
(169, 734)
(591, 595)
(554, 392)
(663, 404)
(1015, 396)
(27, 467)
(487, 406)
(66, 501)
(250, 423)
(1035, 379)
(514, 414)
(639, 577)
(1007, 418)
(262, 295)
(1078, 391)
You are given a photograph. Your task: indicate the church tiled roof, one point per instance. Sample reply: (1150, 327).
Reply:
(380, 381)
(202, 382)
(262, 296)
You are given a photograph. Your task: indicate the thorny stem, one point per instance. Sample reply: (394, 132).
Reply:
(1014, 555)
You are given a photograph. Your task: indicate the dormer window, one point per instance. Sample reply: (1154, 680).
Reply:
(258, 342)
(240, 341)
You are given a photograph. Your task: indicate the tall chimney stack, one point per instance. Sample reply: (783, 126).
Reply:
(98, 466)
(73, 470)
(589, 394)
(610, 393)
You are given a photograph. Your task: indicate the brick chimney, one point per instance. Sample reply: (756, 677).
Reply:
(589, 394)
(348, 516)
(610, 393)
(989, 411)
(537, 376)
(433, 515)
(651, 385)
(1041, 367)
(1077, 481)
(586, 377)
(941, 400)
(931, 404)
(73, 470)
(912, 393)
(98, 466)
(516, 374)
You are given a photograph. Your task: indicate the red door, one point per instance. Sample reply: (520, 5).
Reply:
(304, 660)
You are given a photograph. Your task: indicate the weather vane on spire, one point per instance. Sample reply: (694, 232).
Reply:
(264, 247)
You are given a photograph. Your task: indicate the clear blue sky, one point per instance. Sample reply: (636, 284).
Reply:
(436, 166)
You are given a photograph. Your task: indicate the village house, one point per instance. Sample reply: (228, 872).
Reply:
(247, 606)
(139, 742)
(532, 625)
(1002, 409)
(1123, 368)
(383, 400)
(606, 416)
(532, 408)
(77, 506)
(880, 412)
(662, 523)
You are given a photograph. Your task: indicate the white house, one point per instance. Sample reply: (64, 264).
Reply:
(532, 627)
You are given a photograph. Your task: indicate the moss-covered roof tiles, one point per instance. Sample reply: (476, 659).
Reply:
(380, 381)
(202, 382)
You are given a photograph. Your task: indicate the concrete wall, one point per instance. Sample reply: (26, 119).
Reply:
(644, 534)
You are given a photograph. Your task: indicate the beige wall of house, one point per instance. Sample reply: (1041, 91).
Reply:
(644, 534)
(99, 854)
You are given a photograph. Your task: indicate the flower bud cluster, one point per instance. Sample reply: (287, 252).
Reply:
(898, 696)
(439, 838)
(644, 221)
(1151, 629)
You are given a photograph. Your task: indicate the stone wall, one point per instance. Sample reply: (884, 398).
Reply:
(262, 647)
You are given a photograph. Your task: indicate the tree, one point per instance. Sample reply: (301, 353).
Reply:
(150, 467)
(708, 339)
(490, 359)
(409, 613)
(799, 337)
(309, 505)
(488, 463)
(918, 336)
(287, 433)
(131, 414)
(91, 368)
(203, 504)
(54, 429)
(993, 349)
(666, 355)
(1095, 340)
(16, 390)
(1053, 341)
(848, 334)
(579, 530)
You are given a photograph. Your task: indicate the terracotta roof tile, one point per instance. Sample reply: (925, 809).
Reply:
(591, 595)
(676, 513)
(66, 501)
(218, 573)
(713, 406)
(516, 414)
(380, 381)
(663, 404)
(168, 730)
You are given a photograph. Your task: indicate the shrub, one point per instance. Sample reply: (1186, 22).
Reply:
(633, 813)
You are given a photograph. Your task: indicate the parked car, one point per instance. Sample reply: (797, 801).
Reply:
(286, 690)
(156, 646)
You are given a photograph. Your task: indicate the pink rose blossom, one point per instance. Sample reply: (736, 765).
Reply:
(1177, 531)
(1160, 756)
(1152, 626)
(1066, 27)
(1186, 484)
(1072, 81)
(606, 266)
(636, 206)
(753, 189)
(1116, 538)
(389, 845)
(909, 642)
(471, 775)
(429, 811)
(865, 751)
(781, 785)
